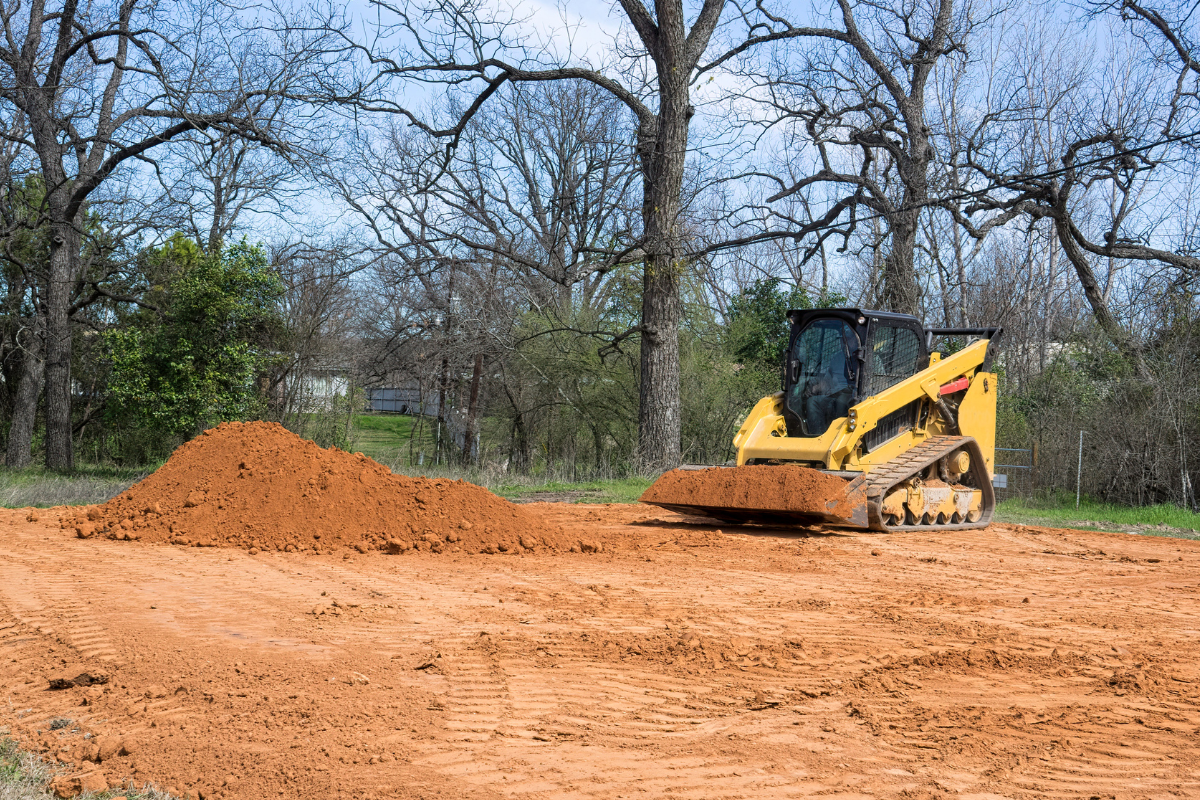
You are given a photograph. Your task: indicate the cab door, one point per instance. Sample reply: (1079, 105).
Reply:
(821, 376)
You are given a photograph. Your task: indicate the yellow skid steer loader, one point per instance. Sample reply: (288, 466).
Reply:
(911, 431)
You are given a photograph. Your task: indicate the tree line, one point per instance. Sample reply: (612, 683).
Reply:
(574, 241)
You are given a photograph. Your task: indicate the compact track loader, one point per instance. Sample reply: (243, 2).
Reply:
(866, 399)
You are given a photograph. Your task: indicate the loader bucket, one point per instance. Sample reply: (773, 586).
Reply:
(772, 494)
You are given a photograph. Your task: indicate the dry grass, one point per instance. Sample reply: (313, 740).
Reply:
(24, 776)
(35, 487)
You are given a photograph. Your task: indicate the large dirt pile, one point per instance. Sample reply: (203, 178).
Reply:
(257, 485)
(785, 488)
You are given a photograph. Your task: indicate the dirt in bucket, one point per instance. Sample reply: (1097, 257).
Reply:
(785, 488)
(258, 486)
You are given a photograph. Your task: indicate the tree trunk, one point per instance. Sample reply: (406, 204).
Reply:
(824, 273)
(218, 217)
(20, 433)
(1051, 279)
(662, 147)
(349, 407)
(598, 444)
(64, 248)
(943, 290)
(659, 419)
(960, 269)
(1091, 289)
(472, 411)
(900, 291)
(520, 455)
(566, 302)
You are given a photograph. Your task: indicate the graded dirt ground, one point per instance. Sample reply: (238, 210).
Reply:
(684, 660)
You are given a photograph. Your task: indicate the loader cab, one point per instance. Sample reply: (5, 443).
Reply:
(836, 357)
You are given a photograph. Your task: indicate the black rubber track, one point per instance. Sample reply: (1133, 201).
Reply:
(883, 479)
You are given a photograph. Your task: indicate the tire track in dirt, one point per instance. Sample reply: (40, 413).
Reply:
(478, 702)
(1048, 741)
(19, 647)
(1040, 738)
(564, 690)
(576, 732)
(611, 707)
(519, 692)
(1124, 766)
(49, 602)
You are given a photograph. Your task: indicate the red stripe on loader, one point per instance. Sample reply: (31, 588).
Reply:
(955, 386)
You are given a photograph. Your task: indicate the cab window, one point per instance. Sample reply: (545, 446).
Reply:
(895, 354)
(822, 375)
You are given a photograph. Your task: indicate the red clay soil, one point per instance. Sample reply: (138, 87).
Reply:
(257, 486)
(765, 663)
(786, 488)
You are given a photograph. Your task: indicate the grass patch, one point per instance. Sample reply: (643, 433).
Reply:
(24, 776)
(553, 486)
(398, 424)
(617, 490)
(1060, 512)
(88, 484)
(389, 438)
(384, 437)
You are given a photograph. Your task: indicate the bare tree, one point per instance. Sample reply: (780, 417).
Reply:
(461, 45)
(101, 86)
(546, 188)
(220, 176)
(428, 321)
(318, 349)
(1088, 157)
(853, 109)
(539, 187)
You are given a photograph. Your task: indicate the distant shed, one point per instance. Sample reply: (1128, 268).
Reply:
(402, 400)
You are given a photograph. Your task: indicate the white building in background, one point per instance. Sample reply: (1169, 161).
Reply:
(315, 389)
(404, 399)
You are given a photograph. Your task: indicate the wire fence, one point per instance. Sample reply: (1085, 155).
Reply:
(1015, 472)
